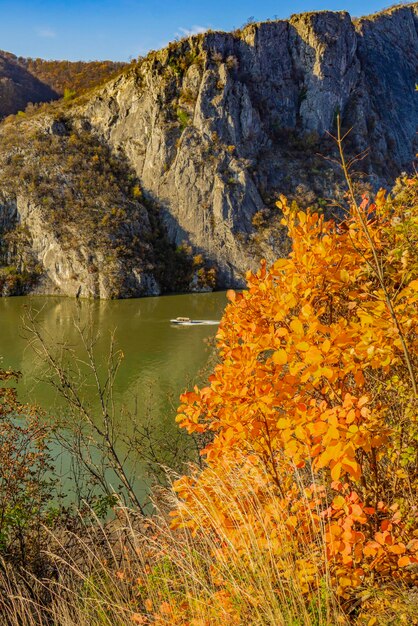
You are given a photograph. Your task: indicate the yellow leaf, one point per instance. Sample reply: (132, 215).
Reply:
(362, 401)
(326, 345)
(313, 355)
(292, 521)
(280, 357)
(297, 326)
(380, 198)
(338, 502)
(336, 471)
(328, 372)
(352, 468)
(345, 276)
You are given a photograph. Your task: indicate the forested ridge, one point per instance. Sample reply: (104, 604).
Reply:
(27, 82)
(71, 77)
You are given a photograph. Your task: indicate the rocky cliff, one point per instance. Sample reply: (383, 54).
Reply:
(214, 127)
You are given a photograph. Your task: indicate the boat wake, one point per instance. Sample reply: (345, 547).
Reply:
(183, 322)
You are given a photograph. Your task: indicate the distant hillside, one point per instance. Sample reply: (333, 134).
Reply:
(72, 75)
(18, 86)
(34, 80)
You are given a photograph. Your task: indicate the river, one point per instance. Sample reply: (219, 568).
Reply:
(160, 360)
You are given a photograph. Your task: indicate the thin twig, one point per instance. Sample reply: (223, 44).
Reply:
(377, 268)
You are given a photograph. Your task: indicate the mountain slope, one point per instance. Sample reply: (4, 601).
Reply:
(214, 127)
(71, 75)
(18, 86)
(24, 81)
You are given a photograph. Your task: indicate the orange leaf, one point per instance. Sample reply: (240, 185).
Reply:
(231, 295)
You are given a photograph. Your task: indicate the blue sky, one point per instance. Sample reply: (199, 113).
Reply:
(120, 29)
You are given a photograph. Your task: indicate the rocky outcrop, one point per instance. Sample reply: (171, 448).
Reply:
(69, 216)
(79, 271)
(83, 271)
(216, 124)
(214, 127)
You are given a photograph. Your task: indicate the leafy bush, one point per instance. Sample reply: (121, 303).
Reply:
(69, 94)
(183, 118)
(25, 489)
(305, 511)
(314, 403)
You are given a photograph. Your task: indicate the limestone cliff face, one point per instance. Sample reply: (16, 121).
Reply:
(69, 222)
(52, 266)
(208, 123)
(214, 127)
(82, 270)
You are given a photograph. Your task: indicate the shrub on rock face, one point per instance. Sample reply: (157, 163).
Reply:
(315, 402)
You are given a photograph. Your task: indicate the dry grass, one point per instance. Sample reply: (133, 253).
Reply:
(134, 571)
(140, 571)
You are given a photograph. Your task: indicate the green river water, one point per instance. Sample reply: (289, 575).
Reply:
(160, 360)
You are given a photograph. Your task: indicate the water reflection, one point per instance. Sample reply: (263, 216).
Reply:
(160, 360)
(154, 350)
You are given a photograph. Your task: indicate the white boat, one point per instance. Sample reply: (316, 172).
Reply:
(186, 321)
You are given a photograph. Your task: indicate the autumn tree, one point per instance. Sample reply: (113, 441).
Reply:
(315, 401)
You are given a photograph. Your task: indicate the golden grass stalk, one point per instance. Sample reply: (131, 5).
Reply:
(129, 571)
